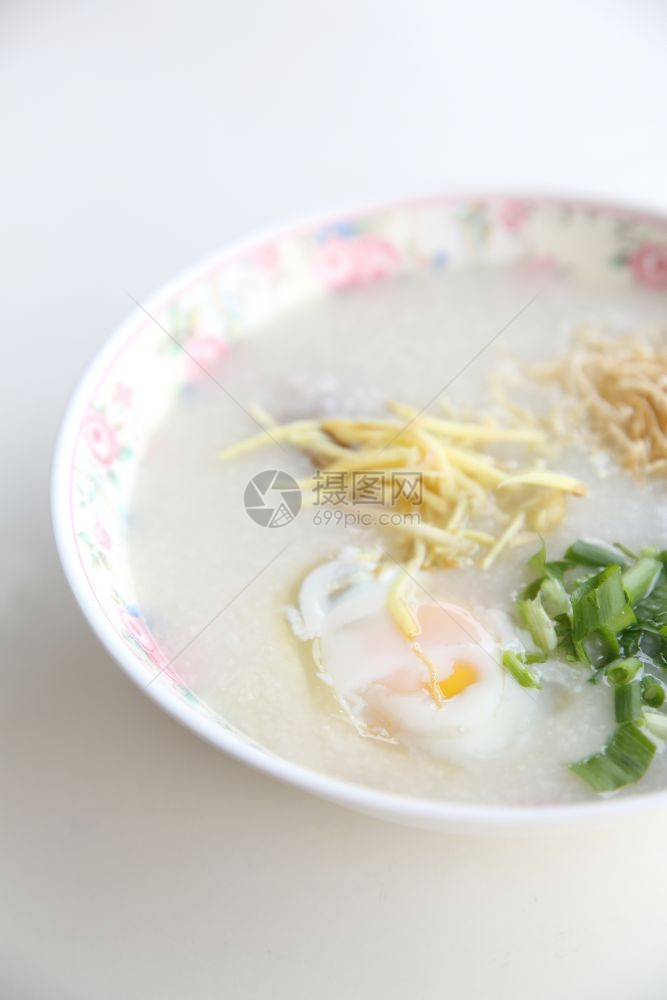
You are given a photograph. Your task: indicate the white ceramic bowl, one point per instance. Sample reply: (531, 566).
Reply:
(131, 383)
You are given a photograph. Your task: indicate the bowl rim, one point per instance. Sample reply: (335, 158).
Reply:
(440, 814)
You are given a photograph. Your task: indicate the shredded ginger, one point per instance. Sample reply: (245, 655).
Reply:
(474, 504)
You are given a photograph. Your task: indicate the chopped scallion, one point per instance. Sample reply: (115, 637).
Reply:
(601, 601)
(538, 623)
(583, 553)
(611, 616)
(653, 693)
(640, 578)
(599, 647)
(624, 760)
(555, 598)
(656, 723)
(514, 663)
(553, 569)
(534, 657)
(622, 671)
(628, 701)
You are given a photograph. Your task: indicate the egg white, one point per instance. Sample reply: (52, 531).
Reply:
(381, 682)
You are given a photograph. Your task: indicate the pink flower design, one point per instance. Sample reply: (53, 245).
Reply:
(160, 661)
(101, 439)
(649, 265)
(513, 213)
(203, 354)
(334, 263)
(345, 263)
(102, 536)
(376, 259)
(138, 631)
(122, 394)
(267, 256)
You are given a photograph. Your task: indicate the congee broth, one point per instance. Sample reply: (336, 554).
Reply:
(492, 643)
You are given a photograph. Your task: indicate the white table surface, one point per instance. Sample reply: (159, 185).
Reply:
(136, 861)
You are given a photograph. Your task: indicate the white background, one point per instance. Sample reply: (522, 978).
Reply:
(136, 136)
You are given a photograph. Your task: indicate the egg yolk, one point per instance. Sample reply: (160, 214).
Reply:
(462, 676)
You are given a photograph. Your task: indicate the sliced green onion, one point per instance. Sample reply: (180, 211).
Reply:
(534, 657)
(656, 722)
(614, 616)
(531, 591)
(601, 601)
(538, 623)
(565, 642)
(640, 579)
(599, 647)
(514, 664)
(582, 587)
(646, 643)
(584, 553)
(622, 619)
(628, 701)
(547, 568)
(653, 693)
(555, 598)
(538, 560)
(622, 671)
(653, 608)
(624, 760)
